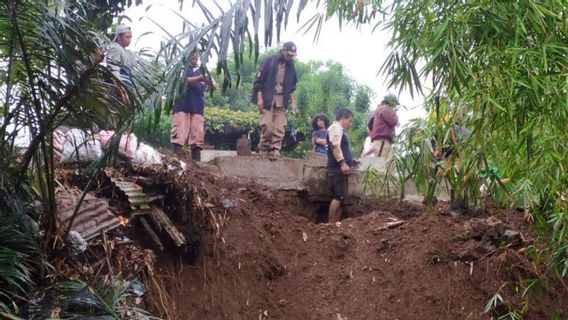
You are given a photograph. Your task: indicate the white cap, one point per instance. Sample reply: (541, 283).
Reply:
(122, 28)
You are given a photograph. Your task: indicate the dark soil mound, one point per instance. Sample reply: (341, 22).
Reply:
(269, 260)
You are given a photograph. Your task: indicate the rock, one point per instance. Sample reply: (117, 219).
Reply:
(475, 251)
(485, 229)
(491, 234)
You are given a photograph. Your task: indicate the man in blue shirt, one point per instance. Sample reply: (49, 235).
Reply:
(188, 114)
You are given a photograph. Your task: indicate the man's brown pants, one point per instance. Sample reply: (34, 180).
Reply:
(272, 128)
(187, 128)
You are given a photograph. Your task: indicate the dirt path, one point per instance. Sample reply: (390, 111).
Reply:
(388, 261)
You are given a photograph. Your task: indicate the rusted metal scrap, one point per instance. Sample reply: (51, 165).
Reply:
(93, 216)
(138, 200)
(141, 208)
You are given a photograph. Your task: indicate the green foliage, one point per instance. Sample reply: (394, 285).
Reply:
(498, 308)
(363, 96)
(77, 299)
(502, 68)
(381, 184)
(238, 97)
(556, 316)
(220, 120)
(559, 222)
(495, 301)
(17, 243)
(53, 75)
(322, 87)
(530, 285)
(100, 13)
(153, 127)
(219, 123)
(16, 246)
(506, 76)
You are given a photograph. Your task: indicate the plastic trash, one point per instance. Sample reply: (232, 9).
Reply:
(80, 147)
(145, 154)
(228, 203)
(126, 146)
(138, 287)
(77, 243)
(58, 140)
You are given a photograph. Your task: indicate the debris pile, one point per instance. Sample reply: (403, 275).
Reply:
(485, 236)
(190, 243)
(79, 146)
(113, 227)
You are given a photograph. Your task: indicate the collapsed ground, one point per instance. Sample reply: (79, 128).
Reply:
(259, 253)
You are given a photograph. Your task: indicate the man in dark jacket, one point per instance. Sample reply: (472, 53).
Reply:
(382, 126)
(272, 92)
(339, 161)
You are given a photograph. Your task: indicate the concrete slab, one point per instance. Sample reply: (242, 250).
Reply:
(208, 155)
(281, 173)
(317, 186)
(310, 174)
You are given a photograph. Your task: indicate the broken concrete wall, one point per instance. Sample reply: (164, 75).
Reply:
(317, 186)
(307, 174)
(280, 173)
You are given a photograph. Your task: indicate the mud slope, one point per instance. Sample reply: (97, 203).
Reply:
(388, 261)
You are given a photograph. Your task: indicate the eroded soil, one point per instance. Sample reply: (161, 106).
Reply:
(269, 259)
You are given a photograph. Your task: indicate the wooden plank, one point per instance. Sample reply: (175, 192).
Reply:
(151, 232)
(167, 224)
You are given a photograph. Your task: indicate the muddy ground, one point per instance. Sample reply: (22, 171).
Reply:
(271, 258)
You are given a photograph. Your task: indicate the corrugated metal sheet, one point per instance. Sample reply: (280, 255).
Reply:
(138, 200)
(140, 204)
(92, 218)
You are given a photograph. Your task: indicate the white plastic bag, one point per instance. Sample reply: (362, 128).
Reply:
(145, 154)
(126, 146)
(58, 140)
(79, 147)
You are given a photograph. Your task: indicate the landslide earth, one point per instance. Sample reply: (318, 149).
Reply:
(267, 256)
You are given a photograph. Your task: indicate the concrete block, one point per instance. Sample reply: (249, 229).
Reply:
(315, 160)
(377, 163)
(310, 174)
(315, 182)
(318, 187)
(281, 173)
(208, 155)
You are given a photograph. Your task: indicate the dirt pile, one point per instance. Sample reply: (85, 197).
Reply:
(268, 259)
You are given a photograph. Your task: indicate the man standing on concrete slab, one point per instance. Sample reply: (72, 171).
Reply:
(339, 161)
(272, 92)
(382, 126)
(188, 114)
